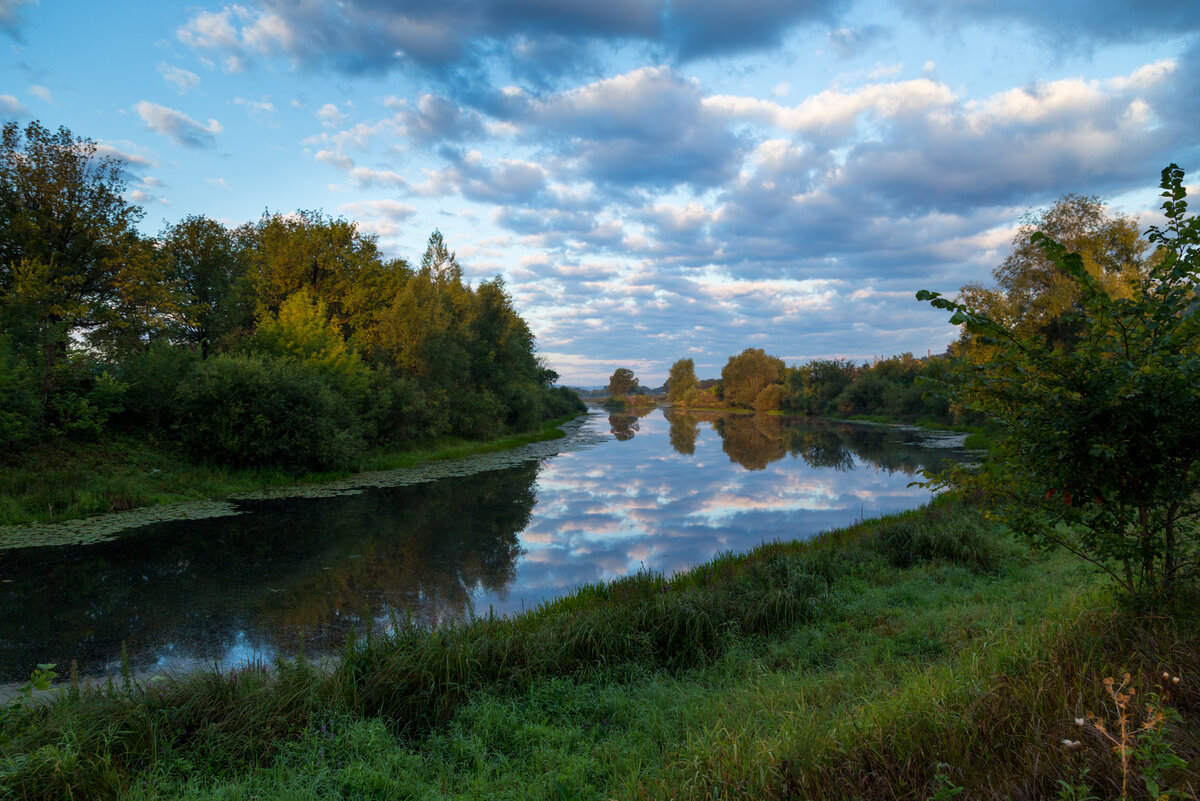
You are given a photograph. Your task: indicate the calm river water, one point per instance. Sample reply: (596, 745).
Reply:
(659, 491)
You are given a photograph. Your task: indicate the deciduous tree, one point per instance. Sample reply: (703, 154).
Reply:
(1100, 454)
(621, 382)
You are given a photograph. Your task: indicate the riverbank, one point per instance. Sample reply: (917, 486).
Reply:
(60, 481)
(897, 658)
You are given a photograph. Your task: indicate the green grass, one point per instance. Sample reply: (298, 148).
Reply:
(66, 480)
(843, 668)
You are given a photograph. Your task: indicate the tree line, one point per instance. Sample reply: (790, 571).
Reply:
(290, 340)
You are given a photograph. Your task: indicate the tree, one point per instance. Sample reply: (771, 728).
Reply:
(69, 255)
(1100, 453)
(748, 374)
(1033, 297)
(681, 381)
(328, 256)
(206, 262)
(621, 383)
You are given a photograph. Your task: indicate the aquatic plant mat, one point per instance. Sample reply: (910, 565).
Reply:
(458, 460)
(920, 656)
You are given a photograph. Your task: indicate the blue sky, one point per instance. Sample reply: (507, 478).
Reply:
(654, 179)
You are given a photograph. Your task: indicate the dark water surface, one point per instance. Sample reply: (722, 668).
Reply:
(663, 491)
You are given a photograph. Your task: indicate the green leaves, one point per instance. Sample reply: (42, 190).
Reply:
(1100, 454)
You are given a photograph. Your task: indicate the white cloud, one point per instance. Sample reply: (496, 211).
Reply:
(177, 126)
(330, 116)
(183, 80)
(11, 108)
(42, 92)
(259, 110)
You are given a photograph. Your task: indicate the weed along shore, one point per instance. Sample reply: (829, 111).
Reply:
(900, 657)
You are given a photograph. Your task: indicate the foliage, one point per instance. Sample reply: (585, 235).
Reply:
(1034, 298)
(302, 330)
(152, 375)
(1101, 454)
(622, 382)
(259, 410)
(19, 408)
(681, 383)
(208, 265)
(394, 355)
(747, 374)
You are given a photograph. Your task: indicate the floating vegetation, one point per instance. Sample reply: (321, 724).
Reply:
(99, 528)
(102, 527)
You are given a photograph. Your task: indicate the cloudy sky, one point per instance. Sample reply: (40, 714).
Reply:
(653, 179)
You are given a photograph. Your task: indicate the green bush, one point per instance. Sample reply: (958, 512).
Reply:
(251, 410)
(83, 397)
(152, 376)
(19, 408)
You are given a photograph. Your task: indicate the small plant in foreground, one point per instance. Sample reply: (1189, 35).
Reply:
(14, 716)
(1142, 743)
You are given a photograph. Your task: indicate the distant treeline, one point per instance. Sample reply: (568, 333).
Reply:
(894, 388)
(287, 341)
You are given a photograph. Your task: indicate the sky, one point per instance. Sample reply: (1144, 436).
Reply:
(653, 179)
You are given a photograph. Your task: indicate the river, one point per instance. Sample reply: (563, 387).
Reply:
(656, 490)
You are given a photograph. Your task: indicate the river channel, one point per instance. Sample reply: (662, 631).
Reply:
(657, 490)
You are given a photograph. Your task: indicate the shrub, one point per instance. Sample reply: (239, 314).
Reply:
(153, 375)
(251, 410)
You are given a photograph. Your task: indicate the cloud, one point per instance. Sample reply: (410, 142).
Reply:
(11, 108)
(11, 19)
(42, 93)
(329, 115)
(850, 42)
(362, 36)
(648, 127)
(259, 110)
(1065, 21)
(181, 129)
(183, 80)
(381, 217)
(834, 114)
(506, 181)
(436, 119)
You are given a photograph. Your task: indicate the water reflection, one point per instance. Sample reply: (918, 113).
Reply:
(667, 491)
(624, 423)
(288, 575)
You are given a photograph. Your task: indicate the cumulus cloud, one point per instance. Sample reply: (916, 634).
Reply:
(381, 217)
(648, 127)
(11, 108)
(181, 129)
(835, 113)
(183, 80)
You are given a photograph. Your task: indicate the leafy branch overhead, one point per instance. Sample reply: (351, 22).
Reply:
(1100, 453)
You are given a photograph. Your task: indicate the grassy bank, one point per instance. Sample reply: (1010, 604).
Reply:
(65, 480)
(899, 658)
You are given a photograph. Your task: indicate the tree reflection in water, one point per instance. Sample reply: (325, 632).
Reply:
(294, 574)
(624, 423)
(756, 440)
